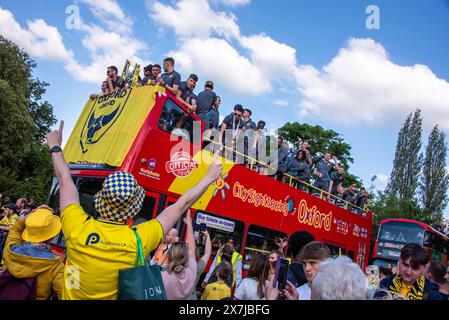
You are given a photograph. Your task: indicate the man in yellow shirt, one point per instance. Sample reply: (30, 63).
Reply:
(98, 249)
(219, 289)
(9, 217)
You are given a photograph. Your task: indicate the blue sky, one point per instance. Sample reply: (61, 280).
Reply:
(307, 61)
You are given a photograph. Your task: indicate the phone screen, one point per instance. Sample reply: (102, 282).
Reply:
(281, 273)
(203, 227)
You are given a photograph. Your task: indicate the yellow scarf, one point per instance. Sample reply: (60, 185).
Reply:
(416, 291)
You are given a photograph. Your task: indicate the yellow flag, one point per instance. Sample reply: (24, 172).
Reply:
(108, 126)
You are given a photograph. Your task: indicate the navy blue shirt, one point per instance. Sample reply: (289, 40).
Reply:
(205, 101)
(186, 93)
(337, 179)
(117, 83)
(214, 118)
(171, 78)
(324, 169)
(230, 124)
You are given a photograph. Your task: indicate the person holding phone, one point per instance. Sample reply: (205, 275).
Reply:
(311, 256)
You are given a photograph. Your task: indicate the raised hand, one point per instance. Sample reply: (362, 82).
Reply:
(54, 138)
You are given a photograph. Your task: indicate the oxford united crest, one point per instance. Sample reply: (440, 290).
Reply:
(104, 113)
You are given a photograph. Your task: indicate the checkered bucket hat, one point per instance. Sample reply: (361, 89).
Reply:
(120, 198)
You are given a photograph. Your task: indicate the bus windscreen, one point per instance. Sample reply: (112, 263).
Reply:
(403, 233)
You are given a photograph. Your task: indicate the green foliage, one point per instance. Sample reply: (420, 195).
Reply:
(434, 178)
(321, 140)
(25, 165)
(408, 159)
(418, 186)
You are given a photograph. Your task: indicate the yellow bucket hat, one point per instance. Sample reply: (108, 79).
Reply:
(41, 225)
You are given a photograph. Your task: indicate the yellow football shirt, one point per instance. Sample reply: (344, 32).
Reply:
(9, 221)
(97, 250)
(405, 290)
(216, 291)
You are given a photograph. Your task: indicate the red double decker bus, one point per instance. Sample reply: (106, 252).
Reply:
(148, 133)
(395, 233)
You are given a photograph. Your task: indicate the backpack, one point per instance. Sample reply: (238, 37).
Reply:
(12, 288)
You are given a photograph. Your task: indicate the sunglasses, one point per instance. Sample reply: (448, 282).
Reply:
(238, 114)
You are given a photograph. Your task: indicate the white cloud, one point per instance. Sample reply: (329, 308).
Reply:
(382, 178)
(38, 39)
(194, 18)
(362, 85)
(106, 47)
(216, 59)
(275, 59)
(208, 46)
(235, 3)
(110, 14)
(104, 51)
(280, 102)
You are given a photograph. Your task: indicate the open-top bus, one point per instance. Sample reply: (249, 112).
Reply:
(137, 130)
(395, 233)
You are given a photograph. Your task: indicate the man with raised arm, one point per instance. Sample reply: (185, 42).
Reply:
(98, 248)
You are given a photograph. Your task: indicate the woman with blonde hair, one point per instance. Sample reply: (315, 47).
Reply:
(179, 278)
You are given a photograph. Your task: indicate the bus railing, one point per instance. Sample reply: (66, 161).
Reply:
(322, 193)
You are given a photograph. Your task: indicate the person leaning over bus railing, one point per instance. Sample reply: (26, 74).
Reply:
(170, 79)
(361, 200)
(91, 272)
(185, 93)
(322, 170)
(336, 179)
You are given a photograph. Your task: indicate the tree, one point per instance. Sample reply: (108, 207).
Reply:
(320, 141)
(408, 159)
(435, 179)
(25, 166)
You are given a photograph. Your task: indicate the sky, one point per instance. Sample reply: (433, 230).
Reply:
(357, 67)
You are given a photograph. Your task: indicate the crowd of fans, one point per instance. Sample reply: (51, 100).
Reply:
(98, 250)
(298, 164)
(313, 273)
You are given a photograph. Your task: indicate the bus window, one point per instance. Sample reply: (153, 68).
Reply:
(336, 250)
(53, 200)
(351, 254)
(220, 230)
(146, 213)
(260, 239)
(87, 188)
(176, 121)
(400, 232)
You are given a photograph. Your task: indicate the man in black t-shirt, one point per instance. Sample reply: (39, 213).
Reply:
(231, 127)
(204, 102)
(336, 180)
(170, 79)
(248, 131)
(113, 79)
(147, 75)
(185, 92)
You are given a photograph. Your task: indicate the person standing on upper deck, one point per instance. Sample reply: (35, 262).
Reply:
(171, 80)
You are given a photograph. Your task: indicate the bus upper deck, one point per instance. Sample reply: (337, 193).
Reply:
(148, 133)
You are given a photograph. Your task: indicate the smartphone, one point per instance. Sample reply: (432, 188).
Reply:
(200, 234)
(281, 273)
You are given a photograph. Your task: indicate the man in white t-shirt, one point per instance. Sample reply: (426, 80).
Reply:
(311, 256)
